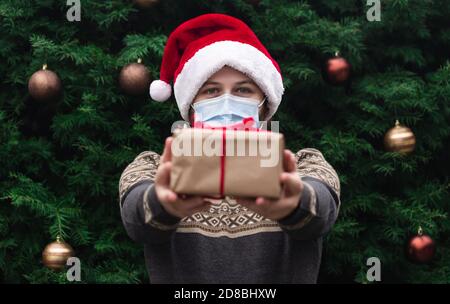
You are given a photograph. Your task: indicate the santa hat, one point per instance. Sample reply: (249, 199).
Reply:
(201, 46)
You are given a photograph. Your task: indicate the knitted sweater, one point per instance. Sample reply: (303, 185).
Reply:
(229, 243)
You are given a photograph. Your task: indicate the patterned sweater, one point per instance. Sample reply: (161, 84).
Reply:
(229, 243)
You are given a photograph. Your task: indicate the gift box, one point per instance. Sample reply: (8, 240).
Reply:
(213, 162)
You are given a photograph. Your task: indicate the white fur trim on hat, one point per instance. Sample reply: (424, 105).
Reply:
(240, 56)
(160, 90)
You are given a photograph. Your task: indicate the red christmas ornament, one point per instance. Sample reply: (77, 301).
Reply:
(421, 248)
(337, 70)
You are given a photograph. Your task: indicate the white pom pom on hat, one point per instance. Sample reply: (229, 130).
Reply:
(160, 90)
(201, 46)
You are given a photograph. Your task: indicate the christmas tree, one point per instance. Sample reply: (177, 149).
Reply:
(61, 158)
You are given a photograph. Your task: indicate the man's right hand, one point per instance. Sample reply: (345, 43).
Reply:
(177, 205)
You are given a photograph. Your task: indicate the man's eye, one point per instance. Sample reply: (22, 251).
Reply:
(211, 90)
(244, 90)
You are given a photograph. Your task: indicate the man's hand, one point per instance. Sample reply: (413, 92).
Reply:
(290, 195)
(177, 205)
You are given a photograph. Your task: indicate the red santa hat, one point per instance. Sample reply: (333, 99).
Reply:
(201, 46)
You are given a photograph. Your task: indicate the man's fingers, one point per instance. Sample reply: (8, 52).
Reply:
(167, 153)
(168, 195)
(291, 183)
(289, 161)
(262, 201)
(163, 175)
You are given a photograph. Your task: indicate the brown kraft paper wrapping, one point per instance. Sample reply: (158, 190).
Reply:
(252, 164)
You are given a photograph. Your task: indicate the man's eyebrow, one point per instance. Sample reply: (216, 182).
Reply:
(245, 81)
(210, 82)
(218, 83)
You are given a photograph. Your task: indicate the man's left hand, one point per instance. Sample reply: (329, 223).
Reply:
(292, 188)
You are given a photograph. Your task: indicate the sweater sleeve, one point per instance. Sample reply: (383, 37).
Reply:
(320, 201)
(143, 216)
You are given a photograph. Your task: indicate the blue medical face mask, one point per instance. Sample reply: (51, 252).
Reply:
(227, 109)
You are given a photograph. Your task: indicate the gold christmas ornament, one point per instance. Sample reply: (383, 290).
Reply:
(145, 3)
(55, 254)
(399, 139)
(135, 78)
(44, 84)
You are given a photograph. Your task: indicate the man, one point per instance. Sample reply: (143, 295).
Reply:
(200, 240)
